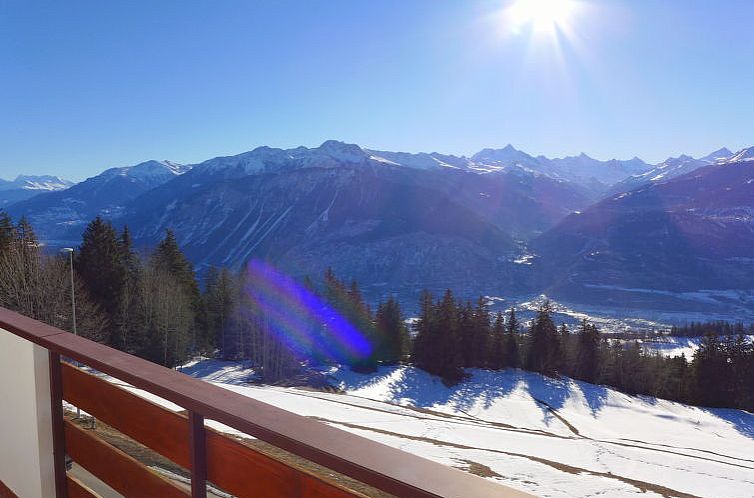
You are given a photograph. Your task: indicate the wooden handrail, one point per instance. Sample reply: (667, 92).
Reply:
(232, 465)
(385, 468)
(118, 470)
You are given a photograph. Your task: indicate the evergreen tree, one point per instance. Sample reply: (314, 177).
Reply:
(587, 353)
(391, 332)
(437, 344)
(357, 312)
(466, 332)
(447, 361)
(421, 353)
(543, 350)
(220, 301)
(512, 355)
(711, 372)
(497, 354)
(127, 335)
(481, 337)
(100, 265)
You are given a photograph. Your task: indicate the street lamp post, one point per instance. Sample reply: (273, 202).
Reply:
(69, 251)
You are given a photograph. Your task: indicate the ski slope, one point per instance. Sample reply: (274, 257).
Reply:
(554, 438)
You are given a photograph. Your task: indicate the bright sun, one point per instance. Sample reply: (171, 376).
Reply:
(541, 15)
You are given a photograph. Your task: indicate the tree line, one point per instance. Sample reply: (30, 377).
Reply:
(452, 335)
(150, 304)
(716, 327)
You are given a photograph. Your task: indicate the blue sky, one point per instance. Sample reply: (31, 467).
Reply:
(91, 85)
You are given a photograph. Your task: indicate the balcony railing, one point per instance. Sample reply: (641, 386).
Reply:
(35, 436)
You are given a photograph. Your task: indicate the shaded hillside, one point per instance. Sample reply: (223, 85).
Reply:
(692, 232)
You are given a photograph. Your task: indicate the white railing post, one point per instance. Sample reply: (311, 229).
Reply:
(26, 442)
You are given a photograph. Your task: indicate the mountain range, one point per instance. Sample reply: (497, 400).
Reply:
(680, 241)
(501, 222)
(59, 214)
(26, 187)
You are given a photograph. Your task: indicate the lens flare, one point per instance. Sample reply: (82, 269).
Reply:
(542, 15)
(302, 320)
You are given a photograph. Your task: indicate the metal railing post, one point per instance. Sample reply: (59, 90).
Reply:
(58, 431)
(198, 445)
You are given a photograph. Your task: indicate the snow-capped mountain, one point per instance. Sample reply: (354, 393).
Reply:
(27, 186)
(692, 233)
(398, 221)
(372, 215)
(149, 173)
(507, 156)
(31, 182)
(742, 155)
(718, 155)
(671, 168)
(61, 214)
(583, 170)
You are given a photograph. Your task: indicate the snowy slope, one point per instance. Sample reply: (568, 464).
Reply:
(554, 438)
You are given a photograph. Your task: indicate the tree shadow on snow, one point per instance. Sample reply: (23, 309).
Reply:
(595, 395)
(741, 420)
(485, 386)
(227, 372)
(350, 380)
(420, 389)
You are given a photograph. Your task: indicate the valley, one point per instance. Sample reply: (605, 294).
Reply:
(677, 246)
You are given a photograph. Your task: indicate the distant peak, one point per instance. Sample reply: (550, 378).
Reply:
(746, 154)
(342, 151)
(338, 145)
(36, 182)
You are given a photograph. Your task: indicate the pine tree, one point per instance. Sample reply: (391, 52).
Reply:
(543, 350)
(100, 265)
(512, 355)
(126, 335)
(357, 312)
(391, 332)
(496, 358)
(220, 301)
(482, 333)
(587, 352)
(710, 372)
(466, 332)
(422, 353)
(448, 360)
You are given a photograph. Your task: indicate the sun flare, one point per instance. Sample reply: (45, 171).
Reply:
(541, 15)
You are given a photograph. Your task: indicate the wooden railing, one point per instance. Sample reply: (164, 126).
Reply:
(208, 455)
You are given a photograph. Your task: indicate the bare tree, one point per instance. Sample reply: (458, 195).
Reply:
(163, 312)
(39, 286)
